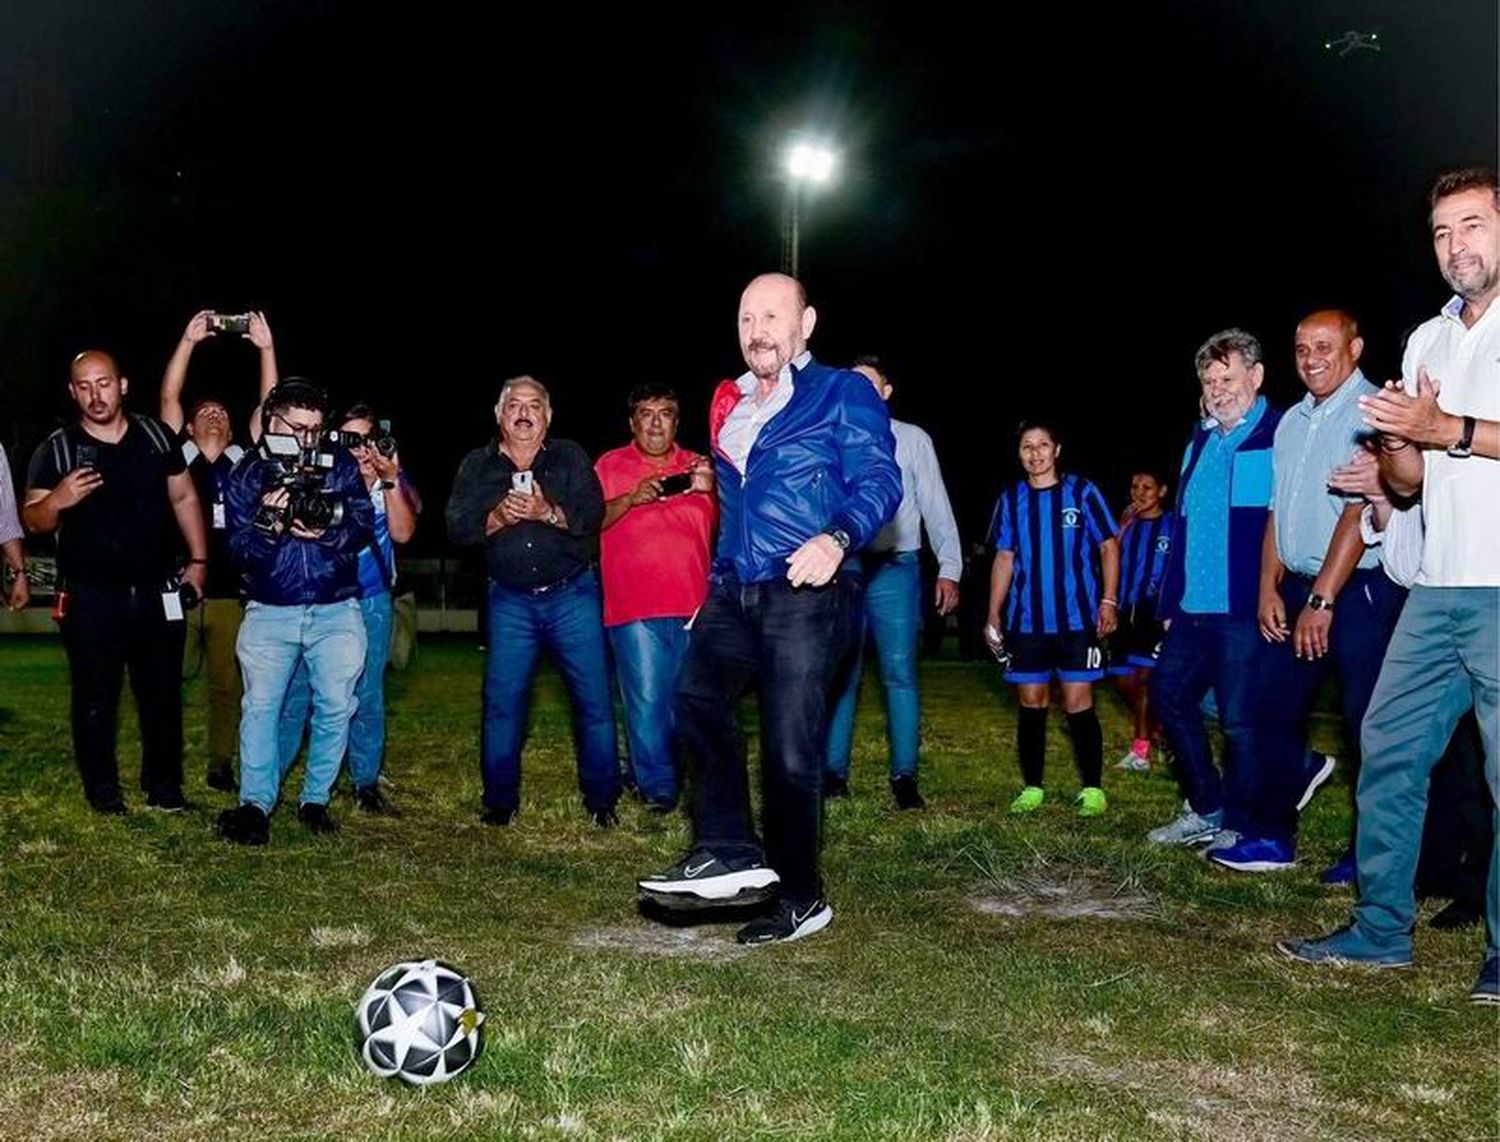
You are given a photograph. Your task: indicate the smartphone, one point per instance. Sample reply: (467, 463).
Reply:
(88, 456)
(677, 485)
(522, 482)
(229, 322)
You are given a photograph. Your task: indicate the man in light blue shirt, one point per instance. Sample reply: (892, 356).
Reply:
(1314, 557)
(892, 610)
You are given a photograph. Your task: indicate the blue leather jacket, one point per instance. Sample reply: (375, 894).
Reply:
(826, 461)
(282, 570)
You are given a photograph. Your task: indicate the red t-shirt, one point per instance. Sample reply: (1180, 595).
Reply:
(654, 560)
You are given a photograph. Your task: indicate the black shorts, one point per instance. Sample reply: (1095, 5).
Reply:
(1072, 656)
(1136, 642)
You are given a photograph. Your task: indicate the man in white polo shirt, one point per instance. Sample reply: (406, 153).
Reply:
(1441, 436)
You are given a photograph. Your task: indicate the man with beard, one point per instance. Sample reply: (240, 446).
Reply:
(119, 497)
(211, 454)
(659, 515)
(535, 505)
(1440, 436)
(806, 469)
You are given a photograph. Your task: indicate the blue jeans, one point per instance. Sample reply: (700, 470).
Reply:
(892, 615)
(1203, 653)
(273, 642)
(367, 729)
(1366, 613)
(787, 641)
(1443, 659)
(569, 621)
(648, 656)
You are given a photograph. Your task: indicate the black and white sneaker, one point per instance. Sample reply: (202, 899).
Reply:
(701, 878)
(788, 922)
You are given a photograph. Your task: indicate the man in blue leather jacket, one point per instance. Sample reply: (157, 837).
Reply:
(806, 470)
(299, 555)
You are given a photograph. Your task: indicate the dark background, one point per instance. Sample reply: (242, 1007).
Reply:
(1041, 213)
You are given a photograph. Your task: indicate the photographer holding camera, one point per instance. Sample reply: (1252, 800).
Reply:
(210, 452)
(117, 494)
(535, 505)
(396, 505)
(299, 516)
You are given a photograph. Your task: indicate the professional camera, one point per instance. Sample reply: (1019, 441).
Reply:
(380, 439)
(300, 471)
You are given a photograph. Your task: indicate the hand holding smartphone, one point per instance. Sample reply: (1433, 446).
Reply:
(523, 482)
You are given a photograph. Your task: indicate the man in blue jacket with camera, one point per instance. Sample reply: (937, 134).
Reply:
(805, 464)
(299, 515)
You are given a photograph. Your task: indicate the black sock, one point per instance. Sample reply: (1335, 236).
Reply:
(1031, 743)
(1088, 746)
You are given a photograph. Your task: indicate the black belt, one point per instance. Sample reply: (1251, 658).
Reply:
(548, 588)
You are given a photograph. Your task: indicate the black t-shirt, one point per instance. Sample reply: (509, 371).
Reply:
(124, 532)
(212, 482)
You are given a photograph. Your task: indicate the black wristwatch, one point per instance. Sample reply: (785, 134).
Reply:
(1465, 446)
(841, 537)
(1316, 602)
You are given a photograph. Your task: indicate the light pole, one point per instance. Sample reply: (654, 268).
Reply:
(807, 163)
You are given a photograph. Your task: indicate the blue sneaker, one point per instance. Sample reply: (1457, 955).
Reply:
(1344, 871)
(1486, 988)
(1257, 854)
(1316, 769)
(1340, 948)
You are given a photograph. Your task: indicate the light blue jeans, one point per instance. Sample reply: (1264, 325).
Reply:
(891, 613)
(367, 727)
(1443, 658)
(648, 655)
(273, 642)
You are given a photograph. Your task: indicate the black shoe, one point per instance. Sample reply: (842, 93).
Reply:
(789, 922)
(245, 825)
(904, 790)
(701, 879)
(316, 818)
(221, 777)
(369, 799)
(497, 815)
(167, 801)
(605, 818)
(835, 786)
(115, 808)
(1458, 914)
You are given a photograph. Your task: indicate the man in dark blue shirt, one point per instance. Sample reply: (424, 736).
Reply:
(1057, 605)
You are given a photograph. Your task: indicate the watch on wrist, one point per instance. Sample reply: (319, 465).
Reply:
(840, 537)
(1465, 446)
(1316, 602)
(550, 519)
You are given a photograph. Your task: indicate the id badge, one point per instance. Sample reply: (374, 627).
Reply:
(171, 605)
(219, 521)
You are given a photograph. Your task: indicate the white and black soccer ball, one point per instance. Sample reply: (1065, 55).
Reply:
(419, 1022)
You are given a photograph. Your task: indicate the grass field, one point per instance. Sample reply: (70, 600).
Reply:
(984, 977)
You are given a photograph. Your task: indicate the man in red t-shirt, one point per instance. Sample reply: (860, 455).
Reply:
(659, 516)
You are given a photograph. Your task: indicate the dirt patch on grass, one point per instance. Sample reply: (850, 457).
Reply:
(1213, 1102)
(1074, 894)
(660, 942)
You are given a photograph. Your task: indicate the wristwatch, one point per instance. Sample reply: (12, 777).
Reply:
(840, 537)
(1465, 446)
(1316, 602)
(550, 519)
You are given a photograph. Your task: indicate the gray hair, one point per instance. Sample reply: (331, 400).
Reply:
(523, 379)
(1218, 348)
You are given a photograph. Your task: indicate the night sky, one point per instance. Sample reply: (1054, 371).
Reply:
(1038, 214)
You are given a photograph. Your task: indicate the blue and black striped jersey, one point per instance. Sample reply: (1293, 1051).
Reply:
(1145, 545)
(1055, 533)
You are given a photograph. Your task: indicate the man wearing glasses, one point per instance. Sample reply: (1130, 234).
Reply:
(299, 515)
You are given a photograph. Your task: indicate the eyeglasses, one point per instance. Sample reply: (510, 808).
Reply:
(303, 432)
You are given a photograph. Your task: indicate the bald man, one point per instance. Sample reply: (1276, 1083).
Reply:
(805, 464)
(115, 490)
(1325, 605)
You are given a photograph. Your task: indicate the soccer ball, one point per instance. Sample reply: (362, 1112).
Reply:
(419, 1022)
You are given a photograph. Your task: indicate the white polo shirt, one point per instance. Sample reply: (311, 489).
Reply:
(1460, 498)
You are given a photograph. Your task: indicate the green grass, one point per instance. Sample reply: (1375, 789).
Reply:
(157, 983)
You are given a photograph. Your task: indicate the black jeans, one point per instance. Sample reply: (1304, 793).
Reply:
(108, 629)
(789, 643)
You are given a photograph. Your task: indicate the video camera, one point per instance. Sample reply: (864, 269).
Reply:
(300, 471)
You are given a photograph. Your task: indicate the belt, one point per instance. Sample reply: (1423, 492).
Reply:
(548, 588)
